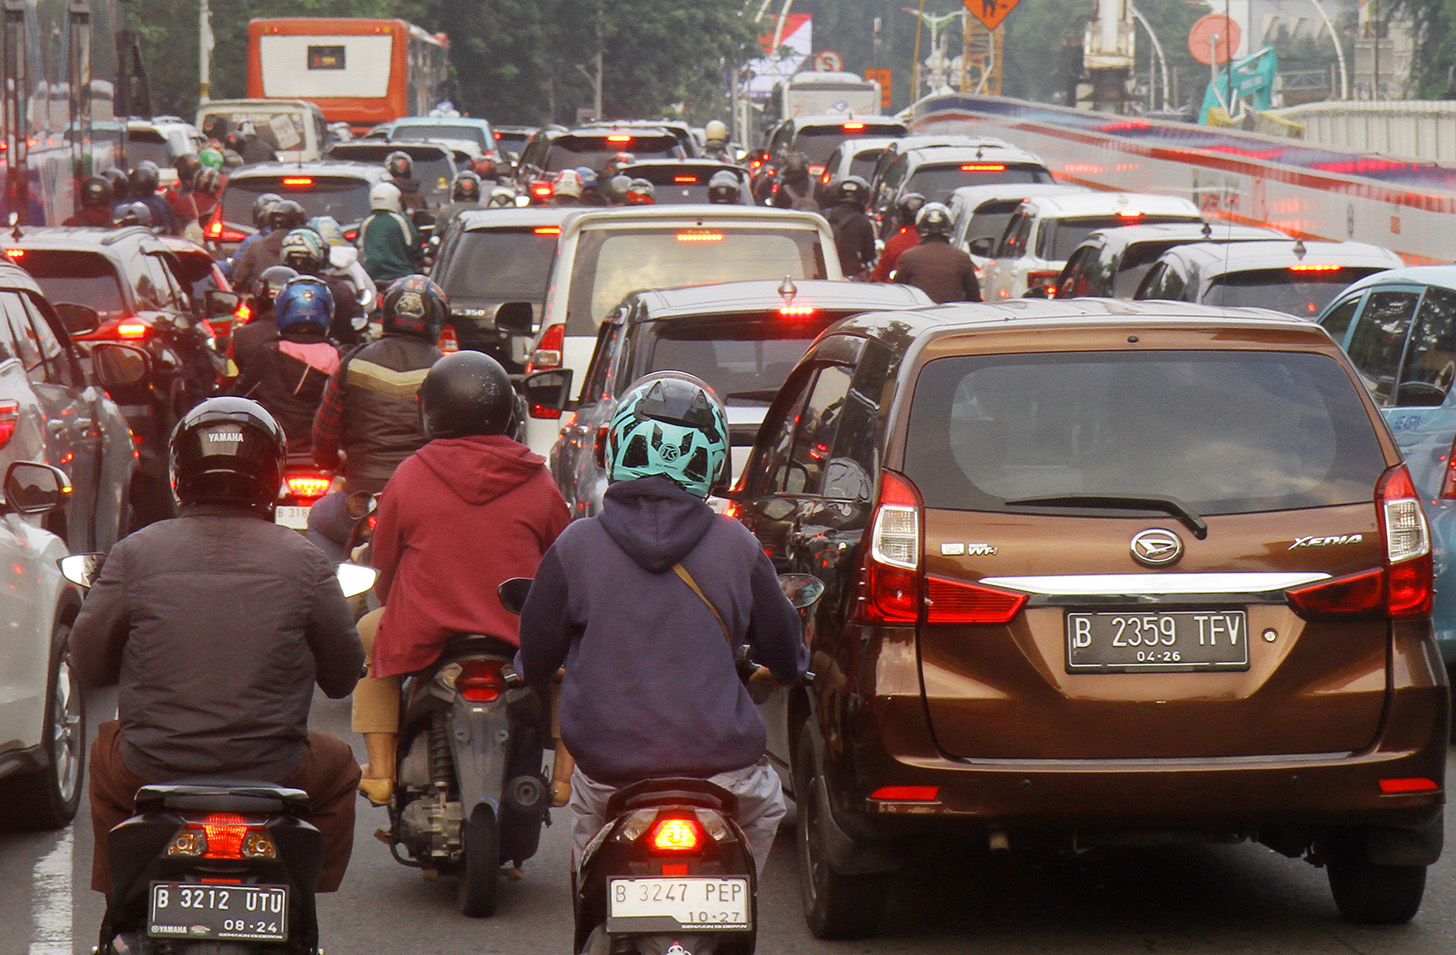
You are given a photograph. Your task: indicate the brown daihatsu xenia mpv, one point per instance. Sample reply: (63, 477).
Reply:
(1100, 570)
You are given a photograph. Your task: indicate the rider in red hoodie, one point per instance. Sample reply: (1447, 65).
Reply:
(468, 510)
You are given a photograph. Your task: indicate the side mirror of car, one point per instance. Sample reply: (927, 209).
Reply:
(981, 246)
(217, 303)
(515, 318)
(547, 392)
(78, 319)
(114, 364)
(513, 593)
(32, 488)
(81, 569)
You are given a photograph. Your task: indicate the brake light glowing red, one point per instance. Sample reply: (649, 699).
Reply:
(685, 179)
(225, 832)
(9, 416)
(1390, 787)
(244, 314)
(851, 127)
(547, 354)
(480, 681)
(297, 182)
(1315, 268)
(907, 793)
(983, 167)
(675, 835)
(217, 231)
(1130, 214)
(619, 139)
(796, 311)
(542, 190)
(352, 234)
(448, 341)
(131, 329)
(307, 485)
(547, 230)
(1411, 585)
(700, 237)
(15, 253)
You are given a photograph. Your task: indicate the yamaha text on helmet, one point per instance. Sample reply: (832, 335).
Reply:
(227, 451)
(416, 306)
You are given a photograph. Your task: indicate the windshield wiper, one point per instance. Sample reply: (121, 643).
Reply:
(1168, 505)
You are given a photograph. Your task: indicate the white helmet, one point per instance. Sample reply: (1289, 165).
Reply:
(385, 197)
(715, 132)
(568, 183)
(501, 197)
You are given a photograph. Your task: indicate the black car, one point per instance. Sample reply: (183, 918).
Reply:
(126, 285)
(553, 148)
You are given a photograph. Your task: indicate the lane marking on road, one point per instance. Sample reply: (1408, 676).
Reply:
(50, 919)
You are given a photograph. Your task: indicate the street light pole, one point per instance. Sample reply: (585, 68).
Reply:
(1157, 48)
(1339, 50)
(204, 52)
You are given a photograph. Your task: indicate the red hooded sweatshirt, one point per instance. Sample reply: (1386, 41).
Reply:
(459, 516)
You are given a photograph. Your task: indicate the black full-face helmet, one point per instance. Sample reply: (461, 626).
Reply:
(227, 451)
(144, 179)
(466, 393)
(287, 214)
(96, 193)
(267, 286)
(416, 306)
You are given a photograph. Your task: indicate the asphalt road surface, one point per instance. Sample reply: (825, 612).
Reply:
(1220, 900)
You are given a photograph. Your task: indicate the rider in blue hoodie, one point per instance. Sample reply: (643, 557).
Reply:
(650, 688)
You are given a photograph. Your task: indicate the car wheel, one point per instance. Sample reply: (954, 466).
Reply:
(1369, 893)
(480, 872)
(48, 799)
(835, 905)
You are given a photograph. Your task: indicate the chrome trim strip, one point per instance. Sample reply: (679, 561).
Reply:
(1132, 585)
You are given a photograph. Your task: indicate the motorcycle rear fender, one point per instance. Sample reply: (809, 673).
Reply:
(480, 739)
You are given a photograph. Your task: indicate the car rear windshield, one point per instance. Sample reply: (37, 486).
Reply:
(80, 278)
(279, 128)
(937, 182)
(500, 265)
(818, 142)
(472, 133)
(1059, 237)
(434, 172)
(594, 152)
(343, 197)
(140, 145)
(1299, 292)
(1226, 432)
(672, 185)
(746, 358)
(612, 262)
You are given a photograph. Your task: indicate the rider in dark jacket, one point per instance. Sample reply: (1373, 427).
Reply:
(217, 625)
(854, 234)
(262, 325)
(369, 410)
(936, 267)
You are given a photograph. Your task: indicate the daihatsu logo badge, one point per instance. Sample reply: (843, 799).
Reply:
(1156, 547)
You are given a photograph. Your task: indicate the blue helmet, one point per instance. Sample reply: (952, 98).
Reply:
(588, 177)
(305, 300)
(673, 425)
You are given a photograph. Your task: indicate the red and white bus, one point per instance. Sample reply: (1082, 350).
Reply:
(359, 71)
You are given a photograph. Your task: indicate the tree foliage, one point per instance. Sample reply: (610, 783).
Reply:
(1434, 23)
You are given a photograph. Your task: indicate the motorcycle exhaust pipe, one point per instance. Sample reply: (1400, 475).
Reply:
(524, 794)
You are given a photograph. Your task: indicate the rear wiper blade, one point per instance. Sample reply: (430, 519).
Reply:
(766, 395)
(1168, 505)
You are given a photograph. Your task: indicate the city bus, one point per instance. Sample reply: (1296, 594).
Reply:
(358, 71)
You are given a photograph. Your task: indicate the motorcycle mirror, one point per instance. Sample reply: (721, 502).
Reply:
(513, 593)
(803, 590)
(355, 579)
(361, 504)
(81, 569)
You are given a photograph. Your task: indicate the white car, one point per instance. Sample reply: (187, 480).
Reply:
(980, 214)
(42, 728)
(1044, 230)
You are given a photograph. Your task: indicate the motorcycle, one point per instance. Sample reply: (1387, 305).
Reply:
(670, 873)
(213, 865)
(303, 484)
(469, 792)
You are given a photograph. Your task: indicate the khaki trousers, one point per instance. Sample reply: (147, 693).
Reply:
(376, 699)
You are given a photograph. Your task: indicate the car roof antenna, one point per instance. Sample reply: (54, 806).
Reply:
(15, 226)
(1299, 249)
(788, 290)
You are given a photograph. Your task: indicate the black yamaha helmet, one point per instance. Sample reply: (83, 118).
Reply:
(466, 187)
(267, 287)
(465, 393)
(399, 164)
(227, 451)
(96, 193)
(416, 306)
(263, 209)
(287, 214)
(144, 179)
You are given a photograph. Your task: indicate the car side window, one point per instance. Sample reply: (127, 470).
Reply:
(1379, 339)
(1430, 361)
(27, 348)
(599, 376)
(59, 368)
(8, 349)
(1162, 281)
(765, 474)
(817, 426)
(1074, 277)
(1337, 322)
(169, 293)
(1013, 240)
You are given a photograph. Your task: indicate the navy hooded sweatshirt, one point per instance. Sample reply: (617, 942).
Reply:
(650, 687)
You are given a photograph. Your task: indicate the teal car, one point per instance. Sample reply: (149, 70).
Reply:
(1399, 329)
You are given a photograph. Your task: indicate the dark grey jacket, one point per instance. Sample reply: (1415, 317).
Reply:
(216, 626)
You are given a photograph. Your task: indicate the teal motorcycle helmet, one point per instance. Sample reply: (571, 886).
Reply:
(672, 425)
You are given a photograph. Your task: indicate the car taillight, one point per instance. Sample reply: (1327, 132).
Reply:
(131, 329)
(218, 231)
(1355, 594)
(244, 314)
(480, 681)
(448, 341)
(983, 167)
(687, 180)
(956, 601)
(675, 834)
(9, 415)
(542, 190)
(1407, 545)
(890, 581)
(548, 353)
(352, 234)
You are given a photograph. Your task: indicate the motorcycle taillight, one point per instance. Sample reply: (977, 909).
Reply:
(480, 681)
(223, 835)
